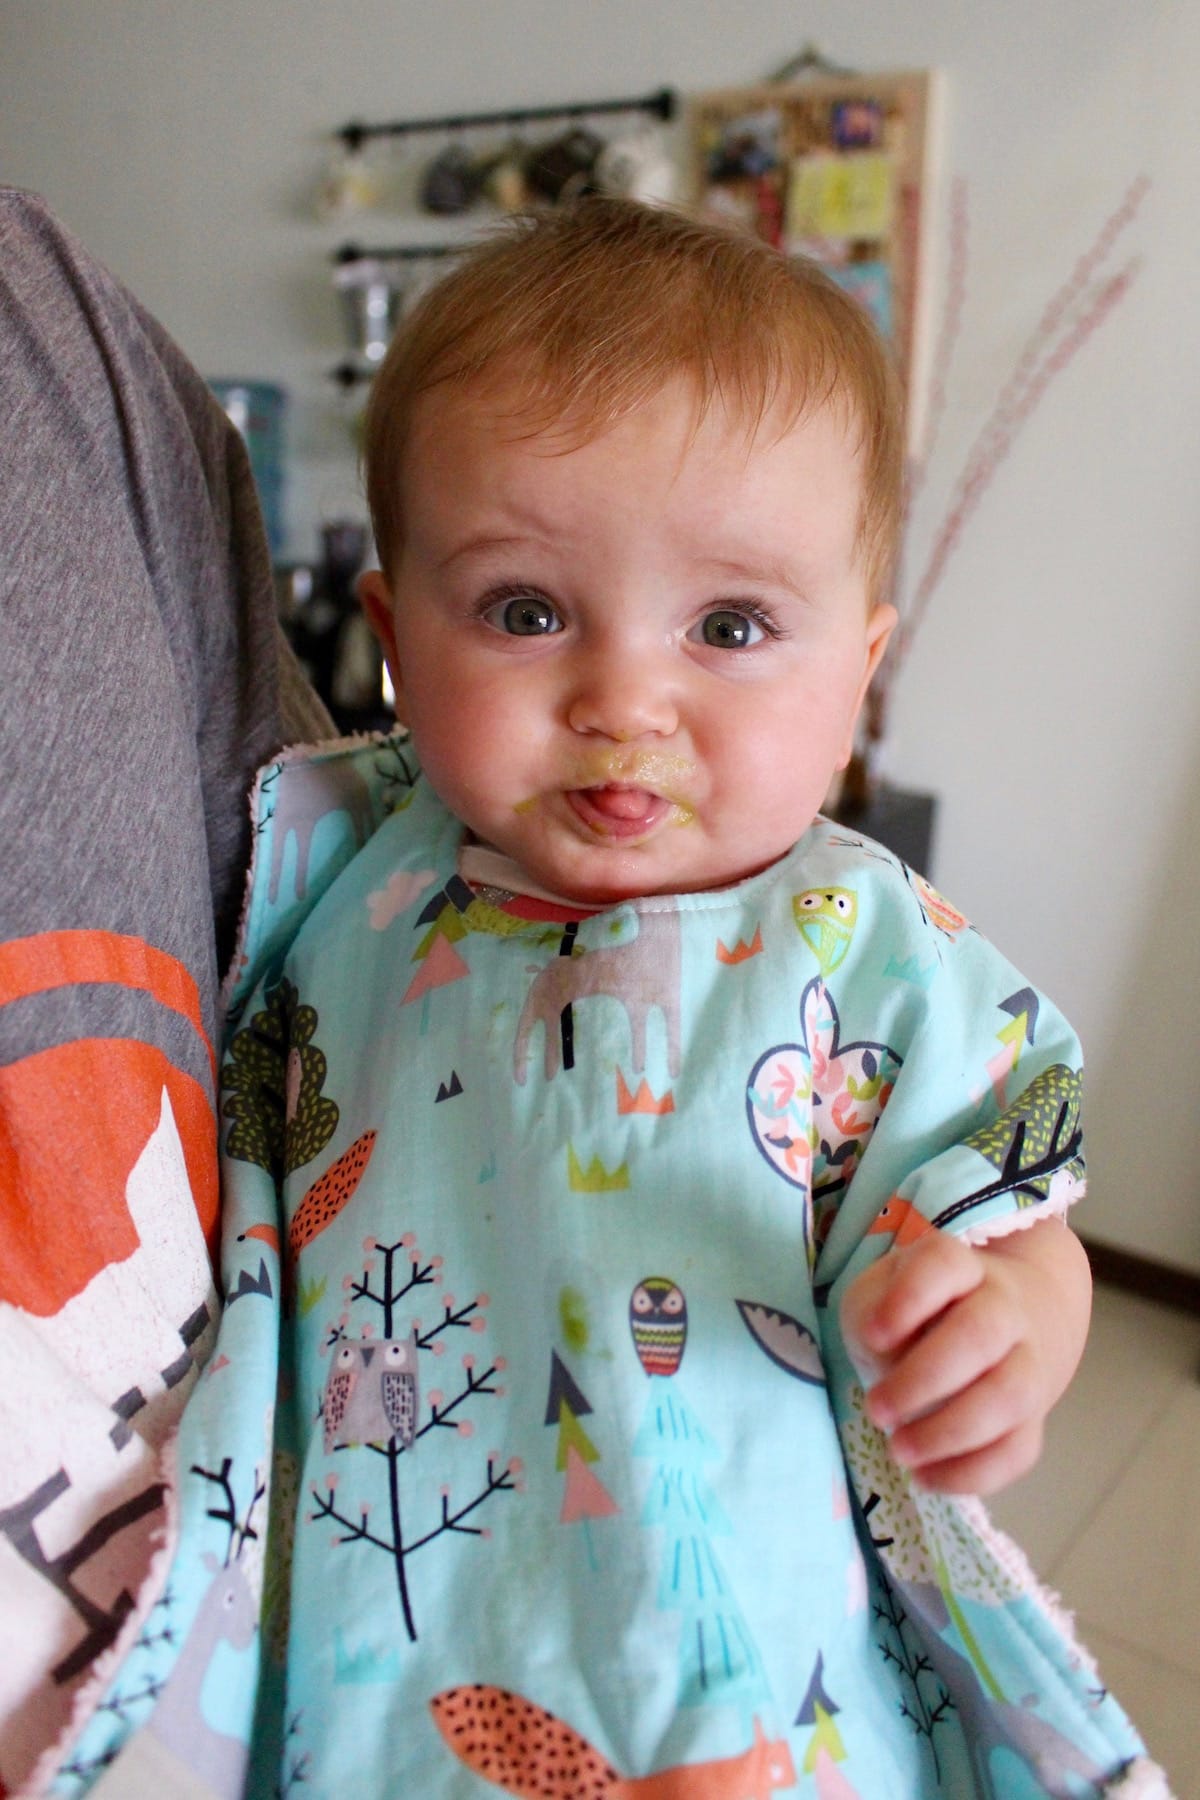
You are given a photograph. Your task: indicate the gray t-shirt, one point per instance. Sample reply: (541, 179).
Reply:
(143, 683)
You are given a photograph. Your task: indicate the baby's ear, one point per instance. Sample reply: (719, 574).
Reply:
(880, 625)
(375, 598)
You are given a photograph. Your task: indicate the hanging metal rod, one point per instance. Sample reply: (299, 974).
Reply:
(352, 253)
(661, 104)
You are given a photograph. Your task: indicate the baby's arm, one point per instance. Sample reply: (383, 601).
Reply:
(973, 1348)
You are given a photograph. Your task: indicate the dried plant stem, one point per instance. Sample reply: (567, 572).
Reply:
(1072, 315)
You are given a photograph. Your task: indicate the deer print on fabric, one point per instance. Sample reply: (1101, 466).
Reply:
(641, 974)
(228, 1613)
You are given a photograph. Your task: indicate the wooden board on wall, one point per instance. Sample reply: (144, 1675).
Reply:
(842, 168)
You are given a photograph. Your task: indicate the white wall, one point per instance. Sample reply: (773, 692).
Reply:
(1052, 700)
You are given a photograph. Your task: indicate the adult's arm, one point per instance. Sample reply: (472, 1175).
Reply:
(141, 688)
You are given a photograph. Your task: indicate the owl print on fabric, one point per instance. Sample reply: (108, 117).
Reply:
(825, 918)
(371, 1393)
(658, 1323)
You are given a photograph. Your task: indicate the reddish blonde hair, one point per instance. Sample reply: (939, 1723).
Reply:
(580, 314)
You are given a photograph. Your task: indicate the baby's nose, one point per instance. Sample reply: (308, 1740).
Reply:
(622, 697)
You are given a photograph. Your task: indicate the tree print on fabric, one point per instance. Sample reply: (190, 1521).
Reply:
(1036, 1145)
(388, 1293)
(928, 1538)
(585, 1496)
(813, 1105)
(926, 1704)
(272, 1087)
(719, 1661)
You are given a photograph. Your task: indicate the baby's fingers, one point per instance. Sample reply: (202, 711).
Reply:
(904, 1291)
(969, 1338)
(1000, 1402)
(988, 1470)
(859, 1307)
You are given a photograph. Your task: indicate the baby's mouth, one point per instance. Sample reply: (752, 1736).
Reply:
(615, 810)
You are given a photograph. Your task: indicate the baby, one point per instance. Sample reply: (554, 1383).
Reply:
(636, 493)
(666, 1183)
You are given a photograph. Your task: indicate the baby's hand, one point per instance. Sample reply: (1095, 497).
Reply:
(966, 1350)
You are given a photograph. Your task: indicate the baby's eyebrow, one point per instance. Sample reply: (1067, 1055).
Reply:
(487, 541)
(757, 572)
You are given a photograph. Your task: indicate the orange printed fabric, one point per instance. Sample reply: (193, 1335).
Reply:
(108, 1212)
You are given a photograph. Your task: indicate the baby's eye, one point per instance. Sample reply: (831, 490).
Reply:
(727, 629)
(523, 615)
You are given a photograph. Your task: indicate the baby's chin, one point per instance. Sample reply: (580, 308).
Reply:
(613, 886)
(596, 881)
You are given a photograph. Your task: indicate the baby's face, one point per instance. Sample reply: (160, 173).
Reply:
(634, 663)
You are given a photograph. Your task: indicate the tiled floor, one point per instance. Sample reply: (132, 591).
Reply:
(1109, 1519)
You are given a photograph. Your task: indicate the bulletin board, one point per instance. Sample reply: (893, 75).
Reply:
(842, 168)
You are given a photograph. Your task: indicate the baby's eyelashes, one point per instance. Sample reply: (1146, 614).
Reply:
(520, 612)
(732, 628)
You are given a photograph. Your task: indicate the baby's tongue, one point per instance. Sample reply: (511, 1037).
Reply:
(621, 802)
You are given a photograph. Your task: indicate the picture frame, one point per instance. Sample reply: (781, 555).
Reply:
(844, 168)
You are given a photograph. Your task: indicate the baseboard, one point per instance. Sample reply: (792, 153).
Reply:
(1142, 1275)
